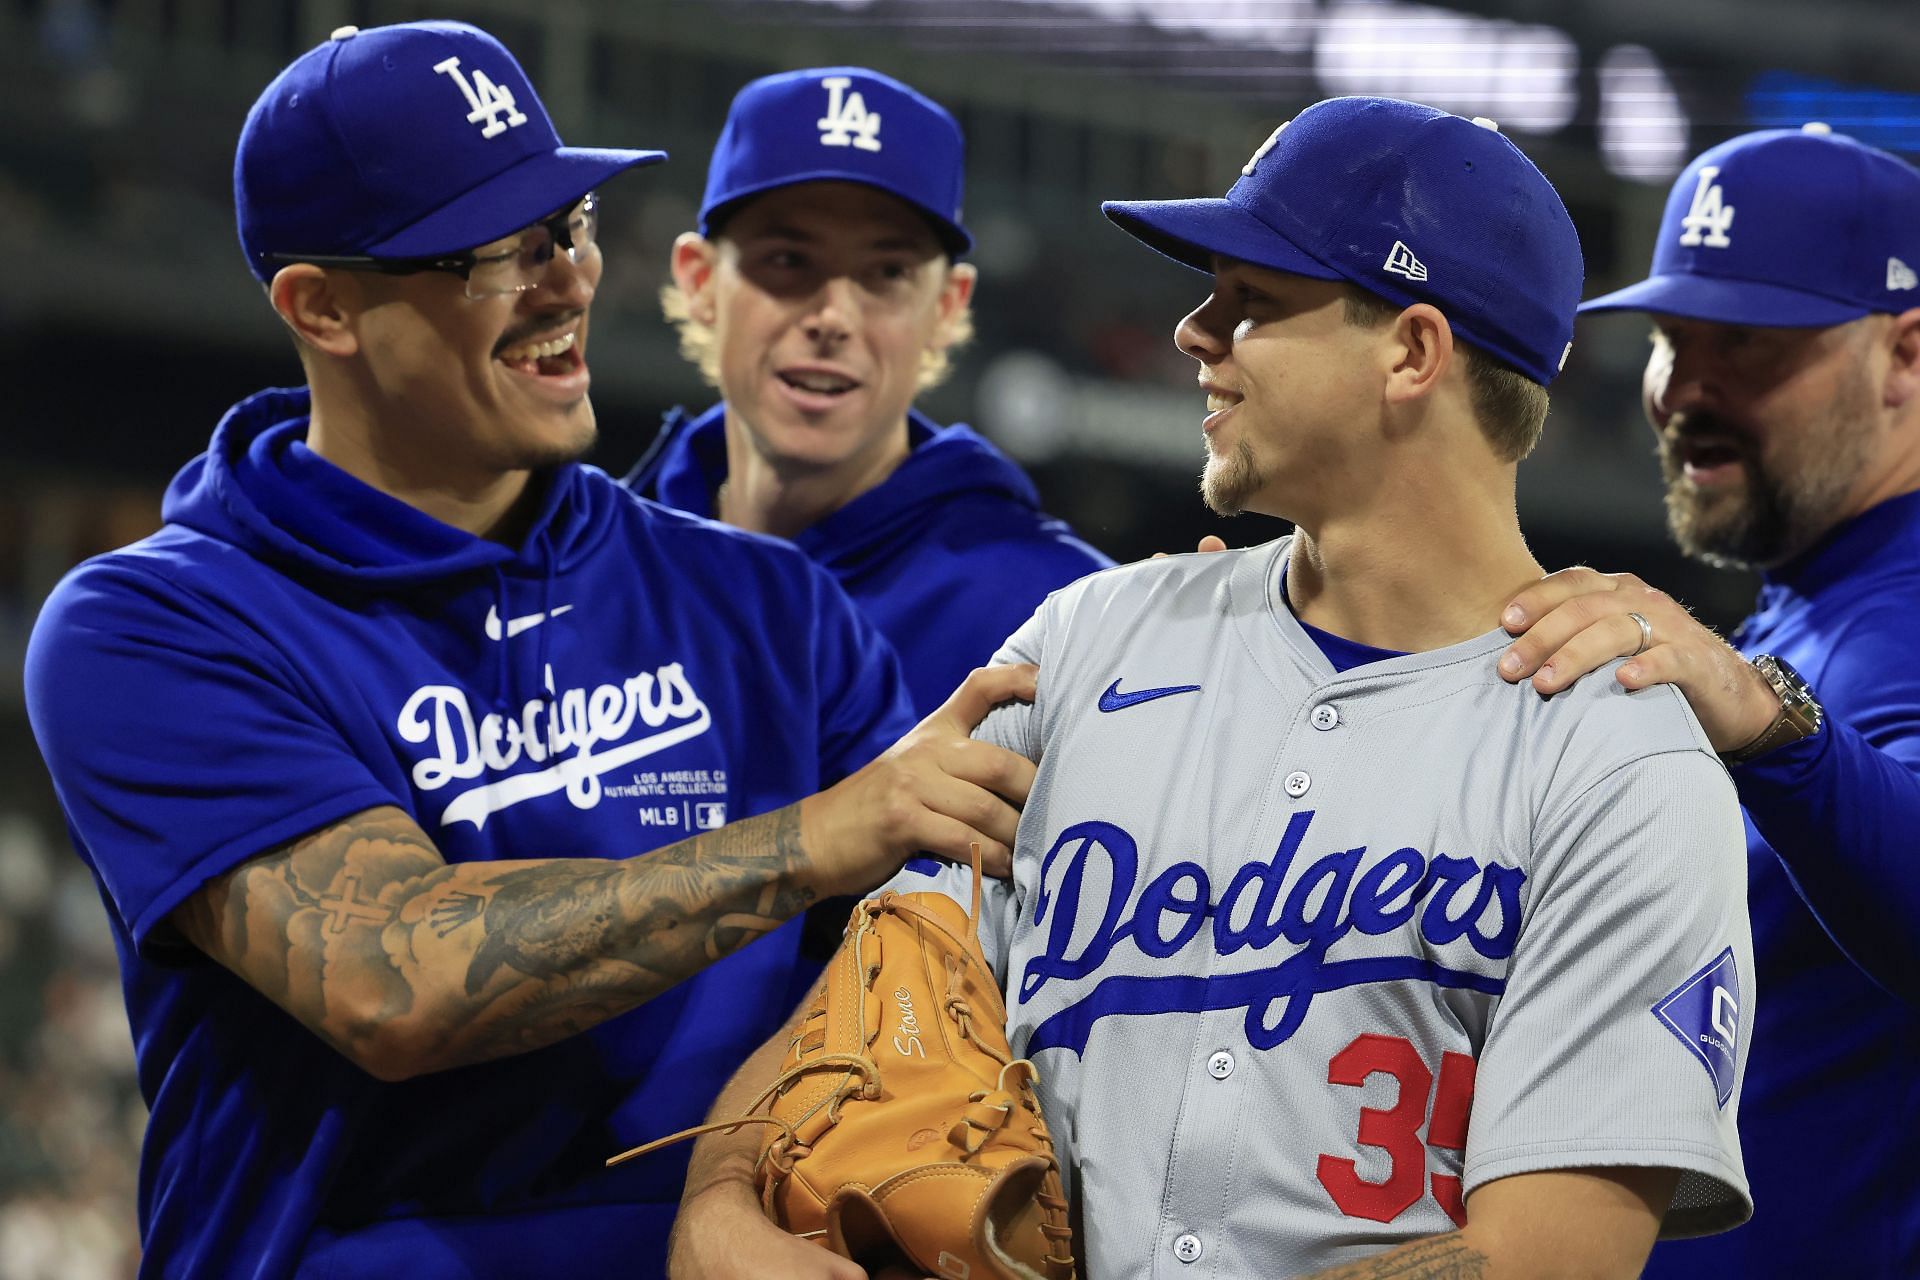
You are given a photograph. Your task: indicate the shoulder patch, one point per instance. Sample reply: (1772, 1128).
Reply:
(1704, 1013)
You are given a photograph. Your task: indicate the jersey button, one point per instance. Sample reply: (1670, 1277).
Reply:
(1325, 716)
(1297, 784)
(1220, 1065)
(1187, 1248)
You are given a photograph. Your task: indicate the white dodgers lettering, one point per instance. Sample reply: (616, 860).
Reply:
(486, 98)
(579, 721)
(1710, 215)
(847, 122)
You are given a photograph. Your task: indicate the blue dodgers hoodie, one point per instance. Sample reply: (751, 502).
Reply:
(948, 556)
(294, 647)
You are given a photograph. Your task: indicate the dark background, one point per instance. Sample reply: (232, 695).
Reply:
(128, 322)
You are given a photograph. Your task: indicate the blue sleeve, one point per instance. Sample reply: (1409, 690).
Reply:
(1841, 808)
(864, 708)
(178, 749)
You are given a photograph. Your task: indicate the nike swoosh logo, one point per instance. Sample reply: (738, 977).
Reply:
(516, 625)
(1114, 700)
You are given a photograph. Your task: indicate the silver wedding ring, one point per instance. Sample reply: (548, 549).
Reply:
(1646, 634)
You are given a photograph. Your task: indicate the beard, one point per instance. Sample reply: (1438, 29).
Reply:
(1228, 482)
(1786, 502)
(574, 441)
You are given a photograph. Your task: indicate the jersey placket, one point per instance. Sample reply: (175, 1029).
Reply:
(1221, 1064)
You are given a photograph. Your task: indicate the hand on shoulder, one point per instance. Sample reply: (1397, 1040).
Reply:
(1574, 621)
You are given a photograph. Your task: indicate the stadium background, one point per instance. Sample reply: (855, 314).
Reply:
(130, 323)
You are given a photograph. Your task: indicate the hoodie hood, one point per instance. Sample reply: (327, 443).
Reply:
(688, 462)
(259, 487)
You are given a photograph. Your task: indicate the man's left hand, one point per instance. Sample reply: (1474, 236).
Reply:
(1571, 622)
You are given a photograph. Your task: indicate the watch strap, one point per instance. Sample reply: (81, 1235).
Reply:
(1778, 734)
(1799, 715)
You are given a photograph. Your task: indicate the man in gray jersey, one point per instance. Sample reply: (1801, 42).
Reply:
(1332, 949)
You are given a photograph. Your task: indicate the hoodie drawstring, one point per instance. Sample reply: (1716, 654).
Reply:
(546, 602)
(502, 610)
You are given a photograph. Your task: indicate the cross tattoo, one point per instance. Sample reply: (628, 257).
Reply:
(348, 906)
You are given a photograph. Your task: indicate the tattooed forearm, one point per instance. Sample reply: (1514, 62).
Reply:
(409, 964)
(1446, 1257)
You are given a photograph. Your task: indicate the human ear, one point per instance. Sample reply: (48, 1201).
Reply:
(1419, 353)
(956, 292)
(693, 262)
(1903, 369)
(317, 306)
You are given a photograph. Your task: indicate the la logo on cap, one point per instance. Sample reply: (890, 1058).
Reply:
(1710, 213)
(848, 122)
(486, 98)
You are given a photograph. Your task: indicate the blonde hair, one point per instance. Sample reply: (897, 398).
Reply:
(1510, 406)
(698, 348)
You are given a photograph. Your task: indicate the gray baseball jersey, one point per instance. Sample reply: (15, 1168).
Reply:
(1305, 957)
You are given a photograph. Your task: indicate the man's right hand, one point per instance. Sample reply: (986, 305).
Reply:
(936, 790)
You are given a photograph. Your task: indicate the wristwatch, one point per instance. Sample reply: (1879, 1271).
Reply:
(1801, 714)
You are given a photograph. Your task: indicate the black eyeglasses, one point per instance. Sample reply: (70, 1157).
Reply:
(519, 267)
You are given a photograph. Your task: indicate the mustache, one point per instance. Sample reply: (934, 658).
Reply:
(1702, 422)
(532, 331)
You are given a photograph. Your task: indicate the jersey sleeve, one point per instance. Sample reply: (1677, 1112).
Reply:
(178, 748)
(1839, 809)
(1620, 1039)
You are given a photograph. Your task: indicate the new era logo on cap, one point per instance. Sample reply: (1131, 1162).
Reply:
(1826, 231)
(1401, 262)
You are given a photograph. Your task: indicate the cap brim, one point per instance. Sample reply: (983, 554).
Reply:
(510, 200)
(1192, 232)
(1721, 301)
(953, 237)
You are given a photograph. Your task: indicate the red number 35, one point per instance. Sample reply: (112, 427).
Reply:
(1397, 1131)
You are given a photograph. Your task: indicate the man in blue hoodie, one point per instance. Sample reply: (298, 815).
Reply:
(363, 746)
(821, 294)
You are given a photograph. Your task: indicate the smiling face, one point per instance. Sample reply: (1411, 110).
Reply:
(495, 384)
(1767, 437)
(824, 299)
(1289, 385)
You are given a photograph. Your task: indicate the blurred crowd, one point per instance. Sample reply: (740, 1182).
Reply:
(70, 1114)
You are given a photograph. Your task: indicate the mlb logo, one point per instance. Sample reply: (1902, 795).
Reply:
(710, 815)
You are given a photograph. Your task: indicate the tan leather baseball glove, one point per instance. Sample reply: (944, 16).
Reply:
(904, 1128)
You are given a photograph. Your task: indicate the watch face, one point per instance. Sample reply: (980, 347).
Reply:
(1795, 697)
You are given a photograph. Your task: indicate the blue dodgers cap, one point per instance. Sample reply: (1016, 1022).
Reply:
(1409, 203)
(1787, 227)
(407, 141)
(840, 124)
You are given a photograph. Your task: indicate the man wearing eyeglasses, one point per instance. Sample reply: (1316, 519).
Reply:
(364, 746)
